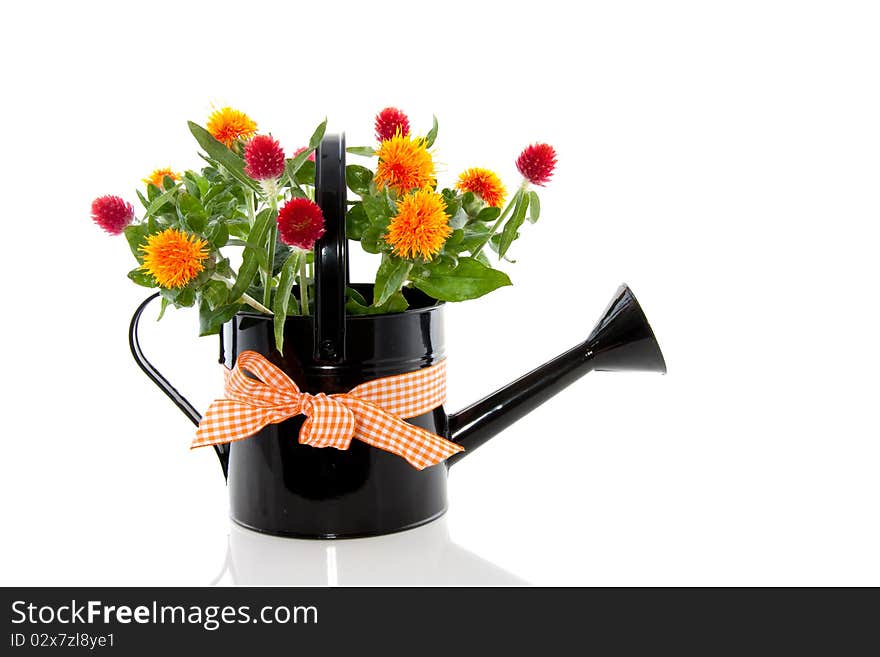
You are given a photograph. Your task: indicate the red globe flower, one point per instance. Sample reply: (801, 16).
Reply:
(300, 223)
(112, 213)
(264, 158)
(536, 163)
(389, 122)
(310, 158)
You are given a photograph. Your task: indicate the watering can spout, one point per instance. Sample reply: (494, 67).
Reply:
(621, 341)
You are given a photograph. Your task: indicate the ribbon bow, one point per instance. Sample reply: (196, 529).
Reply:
(372, 412)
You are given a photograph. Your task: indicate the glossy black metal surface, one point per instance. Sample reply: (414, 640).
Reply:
(281, 487)
(622, 340)
(331, 251)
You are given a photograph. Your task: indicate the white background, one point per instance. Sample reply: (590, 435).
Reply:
(721, 158)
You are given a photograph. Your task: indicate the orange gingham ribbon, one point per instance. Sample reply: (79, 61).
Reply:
(372, 412)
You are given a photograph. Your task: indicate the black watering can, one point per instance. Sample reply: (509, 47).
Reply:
(279, 486)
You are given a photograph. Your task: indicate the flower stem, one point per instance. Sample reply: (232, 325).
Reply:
(245, 298)
(252, 215)
(294, 308)
(271, 190)
(510, 205)
(252, 219)
(253, 303)
(303, 283)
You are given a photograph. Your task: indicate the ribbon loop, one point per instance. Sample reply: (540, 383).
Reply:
(373, 412)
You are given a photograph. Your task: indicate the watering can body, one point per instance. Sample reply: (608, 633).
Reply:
(279, 486)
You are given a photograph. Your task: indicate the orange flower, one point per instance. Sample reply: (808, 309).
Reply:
(159, 175)
(227, 125)
(404, 164)
(173, 257)
(484, 183)
(421, 225)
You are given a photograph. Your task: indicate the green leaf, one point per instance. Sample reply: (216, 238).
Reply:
(240, 228)
(218, 233)
(396, 303)
(195, 184)
(281, 253)
(390, 277)
(512, 225)
(222, 267)
(373, 239)
(357, 305)
(469, 280)
(353, 294)
(432, 134)
(358, 179)
(495, 242)
(378, 210)
(160, 200)
(183, 297)
(217, 194)
(365, 151)
(191, 212)
(136, 236)
(445, 261)
(186, 298)
(282, 297)
(215, 293)
(454, 241)
(168, 182)
(231, 162)
(489, 214)
(534, 207)
(296, 191)
(459, 219)
(191, 185)
(474, 235)
(452, 201)
(292, 167)
(318, 135)
(141, 277)
(143, 200)
(356, 222)
(254, 252)
(306, 173)
(472, 204)
(211, 320)
(163, 306)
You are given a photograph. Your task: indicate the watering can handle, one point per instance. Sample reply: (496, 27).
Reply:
(162, 383)
(331, 251)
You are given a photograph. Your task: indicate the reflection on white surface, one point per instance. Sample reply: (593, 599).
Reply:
(424, 556)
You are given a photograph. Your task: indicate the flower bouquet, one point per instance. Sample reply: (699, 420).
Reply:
(332, 421)
(253, 197)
